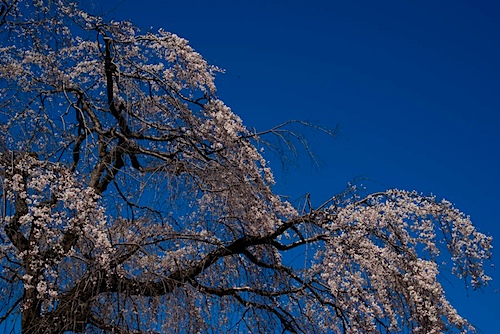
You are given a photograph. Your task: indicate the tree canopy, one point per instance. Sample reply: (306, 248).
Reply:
(135, 201)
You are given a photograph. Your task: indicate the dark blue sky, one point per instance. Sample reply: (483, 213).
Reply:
(413, 85)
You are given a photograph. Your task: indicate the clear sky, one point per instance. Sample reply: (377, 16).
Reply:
(413, 85)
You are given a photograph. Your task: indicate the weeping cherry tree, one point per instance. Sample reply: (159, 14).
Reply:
(135, 201)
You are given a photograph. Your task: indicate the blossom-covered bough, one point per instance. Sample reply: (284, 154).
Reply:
(135, 201)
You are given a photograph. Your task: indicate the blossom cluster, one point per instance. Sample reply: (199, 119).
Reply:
(58, 217)
(380, 261)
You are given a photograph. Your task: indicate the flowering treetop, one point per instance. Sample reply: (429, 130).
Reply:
(135, 200)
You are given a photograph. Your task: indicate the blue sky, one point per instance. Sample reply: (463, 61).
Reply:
(413, 85)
